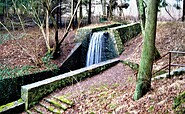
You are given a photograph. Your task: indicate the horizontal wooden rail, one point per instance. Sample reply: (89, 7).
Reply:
(170, 63)
(178, 65)
(177, 52)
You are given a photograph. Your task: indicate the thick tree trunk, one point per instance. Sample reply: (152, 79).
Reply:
(143, 84)
(142, 16)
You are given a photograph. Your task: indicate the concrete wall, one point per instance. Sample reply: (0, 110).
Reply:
(32, 93)
(124, 33)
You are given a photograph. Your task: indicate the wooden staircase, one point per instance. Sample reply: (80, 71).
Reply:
(52, 105)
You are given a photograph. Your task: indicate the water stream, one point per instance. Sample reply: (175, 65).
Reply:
(95, 50)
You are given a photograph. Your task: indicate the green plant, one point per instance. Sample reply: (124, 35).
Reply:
(6, 71)
(4, 37)
(48, 64)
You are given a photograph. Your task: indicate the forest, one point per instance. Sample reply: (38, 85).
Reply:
(92, 56)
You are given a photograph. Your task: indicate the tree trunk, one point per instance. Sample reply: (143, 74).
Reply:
(3, 13)
(183, 12)
(72, 12)
(89, 13)
(143, 84)
(110, 9)
(58, 43)
(142, 16)
(60, 13)
(76, 17)
(47, 32)
(80, 13)
(103, 2)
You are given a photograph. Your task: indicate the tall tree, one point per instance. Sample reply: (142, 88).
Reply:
(143, 84)
(183, 12)
(89, 13)
(103, 2)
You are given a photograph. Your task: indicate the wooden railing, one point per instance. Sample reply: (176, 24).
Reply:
(170, 61)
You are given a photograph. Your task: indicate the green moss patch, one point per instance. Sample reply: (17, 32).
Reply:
(57, 104)
(65, 100)
(133, 66)
(10, 107)
(179, 100)
(179, 104)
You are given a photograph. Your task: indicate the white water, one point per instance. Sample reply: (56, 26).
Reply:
(94, 54)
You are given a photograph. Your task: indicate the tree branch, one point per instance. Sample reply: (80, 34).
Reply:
(69, 25)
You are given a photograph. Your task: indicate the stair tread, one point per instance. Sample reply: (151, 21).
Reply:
(64, 100)
(38, 110)
(46, 107)
(51, 108)
(57, 104)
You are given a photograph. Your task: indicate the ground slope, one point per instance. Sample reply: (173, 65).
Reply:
(112, 90)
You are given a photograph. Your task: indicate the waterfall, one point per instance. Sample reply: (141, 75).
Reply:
(96, 45)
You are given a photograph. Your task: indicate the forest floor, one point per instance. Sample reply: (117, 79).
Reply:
(112, 90)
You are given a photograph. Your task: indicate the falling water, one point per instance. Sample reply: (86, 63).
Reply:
(95, 54)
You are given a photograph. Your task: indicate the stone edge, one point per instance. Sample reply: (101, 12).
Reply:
(34, 92)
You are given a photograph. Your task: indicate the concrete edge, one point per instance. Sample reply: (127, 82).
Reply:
(127, 25)
(72, 51)
(13, 107)
(34, 92)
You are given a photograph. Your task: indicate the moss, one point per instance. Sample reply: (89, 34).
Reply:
(65, 100)
(37, 110)
(133, 66)
(9, 105)
(112, 106)
(49, 108)
(179, 100)
(29, 112)
(151, 109)
(57, 104)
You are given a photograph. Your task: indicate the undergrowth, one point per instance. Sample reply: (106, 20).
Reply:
(4, 37)
(7, 72)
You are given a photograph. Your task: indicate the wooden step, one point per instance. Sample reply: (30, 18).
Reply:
(57, 104)
(29, 112)
(51, 108)
(42, 109)
(38, 110)
(32, 111)
(64, 100)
